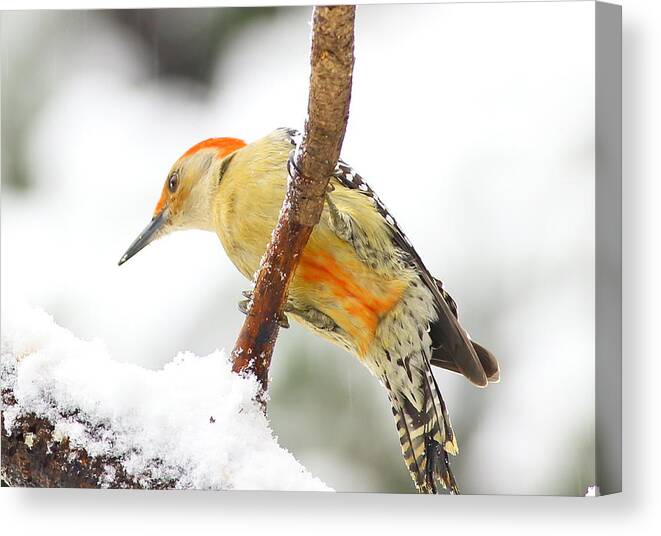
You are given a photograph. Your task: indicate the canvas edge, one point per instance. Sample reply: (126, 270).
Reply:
(608, 240)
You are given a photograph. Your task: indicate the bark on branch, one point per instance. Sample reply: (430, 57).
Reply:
(33, 456)
(331, 62)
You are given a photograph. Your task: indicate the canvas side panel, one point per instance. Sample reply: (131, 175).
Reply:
(608, 166)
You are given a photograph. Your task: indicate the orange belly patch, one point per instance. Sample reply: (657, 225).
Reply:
(357, 298)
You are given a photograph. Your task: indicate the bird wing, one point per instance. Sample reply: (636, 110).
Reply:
(450, 341)
(451, 345)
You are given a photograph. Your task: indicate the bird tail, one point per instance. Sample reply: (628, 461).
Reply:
(423, 424)
(441, 358)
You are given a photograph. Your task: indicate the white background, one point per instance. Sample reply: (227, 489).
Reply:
(131, 512)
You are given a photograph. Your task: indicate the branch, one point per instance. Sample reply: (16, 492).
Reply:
(33, 455)
(331, 62)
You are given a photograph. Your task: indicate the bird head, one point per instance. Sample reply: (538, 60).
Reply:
(185, 201)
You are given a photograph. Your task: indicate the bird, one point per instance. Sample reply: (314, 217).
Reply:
(359, 282)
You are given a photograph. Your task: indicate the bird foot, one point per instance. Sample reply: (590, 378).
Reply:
(292, 168)
(283, 321)
(245, 306)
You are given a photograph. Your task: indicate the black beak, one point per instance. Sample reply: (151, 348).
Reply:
(149, 234)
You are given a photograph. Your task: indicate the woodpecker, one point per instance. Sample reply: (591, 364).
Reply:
(359, 282)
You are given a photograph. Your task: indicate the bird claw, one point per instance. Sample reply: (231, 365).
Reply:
(245, 306)
(292, 168)
(283, 321)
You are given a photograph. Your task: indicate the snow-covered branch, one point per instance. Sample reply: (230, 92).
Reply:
(71, 416)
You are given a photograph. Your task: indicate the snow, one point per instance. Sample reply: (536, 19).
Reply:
(194, 421)
(592, 491)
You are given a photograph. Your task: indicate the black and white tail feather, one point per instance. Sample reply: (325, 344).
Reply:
(424, 429)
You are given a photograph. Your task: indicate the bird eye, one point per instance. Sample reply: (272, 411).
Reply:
(173, 182)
